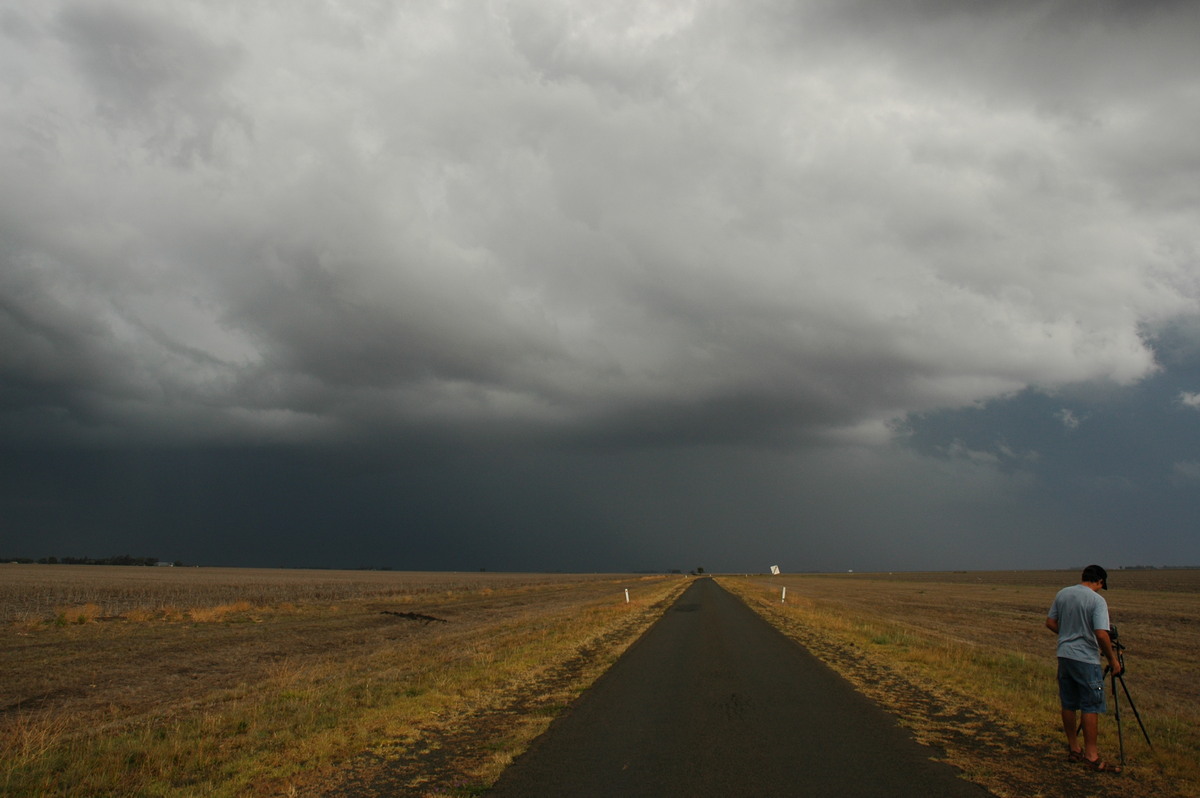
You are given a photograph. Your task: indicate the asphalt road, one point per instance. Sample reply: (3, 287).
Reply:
(714, 701)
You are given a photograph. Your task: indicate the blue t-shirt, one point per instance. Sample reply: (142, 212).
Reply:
(1080, 611)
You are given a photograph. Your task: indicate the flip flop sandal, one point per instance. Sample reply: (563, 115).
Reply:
(1100, 766)
(1075, 756)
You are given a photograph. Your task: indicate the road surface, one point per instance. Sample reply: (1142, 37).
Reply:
(714, 701)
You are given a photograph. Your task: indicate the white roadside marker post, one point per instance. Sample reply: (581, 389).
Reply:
(626, 595)
(783, 598)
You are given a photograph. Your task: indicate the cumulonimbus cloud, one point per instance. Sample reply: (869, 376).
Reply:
(638, 218)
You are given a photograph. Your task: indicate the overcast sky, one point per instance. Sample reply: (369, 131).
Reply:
(601, 286)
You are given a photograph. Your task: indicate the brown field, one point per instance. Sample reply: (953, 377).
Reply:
(33, 592)
(187, 682)
(963, 659)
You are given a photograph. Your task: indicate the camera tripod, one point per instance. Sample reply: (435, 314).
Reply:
(1120, 649)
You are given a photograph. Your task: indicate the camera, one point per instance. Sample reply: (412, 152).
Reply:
(1112, 635)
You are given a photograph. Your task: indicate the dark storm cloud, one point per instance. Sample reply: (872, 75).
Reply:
(597, 279)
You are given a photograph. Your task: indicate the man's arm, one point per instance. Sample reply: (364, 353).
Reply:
(1106, 647)
(1052, 625)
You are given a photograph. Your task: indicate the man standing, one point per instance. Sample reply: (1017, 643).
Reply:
(1079, 615)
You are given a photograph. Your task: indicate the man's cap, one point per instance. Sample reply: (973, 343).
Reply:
(1094, 573)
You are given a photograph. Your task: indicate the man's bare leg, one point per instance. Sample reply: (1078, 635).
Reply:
(1070, 721)
(1091, 726)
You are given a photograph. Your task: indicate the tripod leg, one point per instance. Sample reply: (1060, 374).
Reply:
(1133, 707)
(1117, 716)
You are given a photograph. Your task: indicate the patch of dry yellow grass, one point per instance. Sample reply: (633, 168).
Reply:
(221, 612)
(83, 613)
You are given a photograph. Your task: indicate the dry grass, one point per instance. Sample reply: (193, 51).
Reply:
(221, 612)
(204, 694)
(85, 613)
(966, 662)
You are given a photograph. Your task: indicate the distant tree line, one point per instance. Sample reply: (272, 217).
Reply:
(120, 559)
